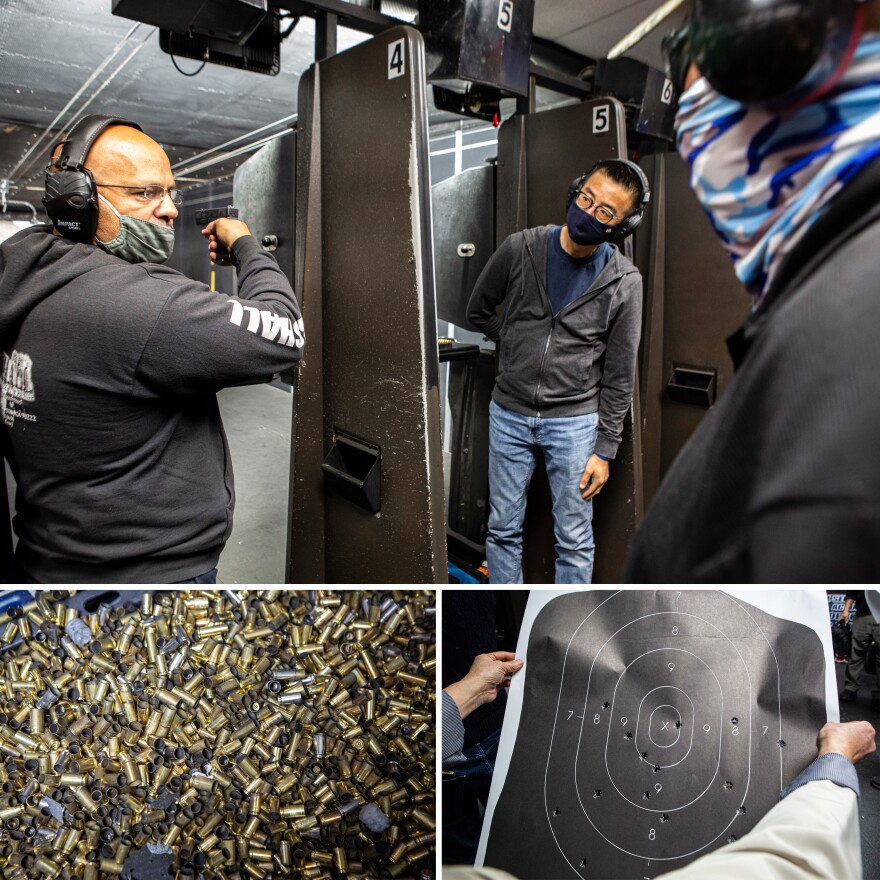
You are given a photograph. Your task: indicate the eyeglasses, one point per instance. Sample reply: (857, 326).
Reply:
(152, 192)
(585, 202)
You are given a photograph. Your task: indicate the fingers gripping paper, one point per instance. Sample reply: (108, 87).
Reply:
(648, 728)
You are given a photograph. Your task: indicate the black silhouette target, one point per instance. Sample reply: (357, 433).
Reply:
(662, 733)
(655, 728)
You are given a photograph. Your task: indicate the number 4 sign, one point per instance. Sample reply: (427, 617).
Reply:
(396, 66)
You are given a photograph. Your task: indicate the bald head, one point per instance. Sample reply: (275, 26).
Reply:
(121, 160)
(120, 152)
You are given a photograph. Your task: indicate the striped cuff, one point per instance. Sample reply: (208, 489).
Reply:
(453, 729)
(831, 767)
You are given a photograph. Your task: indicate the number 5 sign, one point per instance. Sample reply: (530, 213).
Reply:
(601, 119)
(505, 14)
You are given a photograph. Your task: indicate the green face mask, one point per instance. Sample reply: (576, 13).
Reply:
(138, 241)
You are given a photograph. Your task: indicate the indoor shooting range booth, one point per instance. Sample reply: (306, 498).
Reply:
(389, 441)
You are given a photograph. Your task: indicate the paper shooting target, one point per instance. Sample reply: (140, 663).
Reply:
(656, 726)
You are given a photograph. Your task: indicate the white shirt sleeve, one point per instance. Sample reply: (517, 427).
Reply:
(812, 834)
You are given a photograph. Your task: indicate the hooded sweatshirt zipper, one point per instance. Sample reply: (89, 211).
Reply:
(541, 368)
(554, 317)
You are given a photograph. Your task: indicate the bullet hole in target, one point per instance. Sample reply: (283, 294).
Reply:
(557, 811)
(597, 793)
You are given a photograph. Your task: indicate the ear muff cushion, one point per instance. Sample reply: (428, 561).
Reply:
(71, 203)
(71, 200)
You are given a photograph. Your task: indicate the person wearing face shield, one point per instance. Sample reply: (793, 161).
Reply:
(779, 123)
(567, 345)
(110, 366)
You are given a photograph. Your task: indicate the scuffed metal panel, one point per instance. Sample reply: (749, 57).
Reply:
(365, 252)
(464, 219)
(263, 191)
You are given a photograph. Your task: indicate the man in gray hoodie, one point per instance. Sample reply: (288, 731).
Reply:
(110, 367)
(567, 348)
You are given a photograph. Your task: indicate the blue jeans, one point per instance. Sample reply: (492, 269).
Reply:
(567, 444)
(465, 793)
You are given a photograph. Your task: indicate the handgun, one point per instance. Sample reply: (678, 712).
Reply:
(204, 216)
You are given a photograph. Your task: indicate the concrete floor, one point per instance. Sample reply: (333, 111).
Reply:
(257, 420)
(869, 805)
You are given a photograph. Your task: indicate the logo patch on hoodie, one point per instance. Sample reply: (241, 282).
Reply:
(16, 388)
(268, 325)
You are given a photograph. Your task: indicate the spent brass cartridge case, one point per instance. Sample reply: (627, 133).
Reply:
(293, 811)
(72, 779)
(424, 819)
(85, 799)
(47, 867)
(305, 823)
(340, 860)
(23, 739)
(37, 720)
(271, 720)
(251, 827)
(417, 855)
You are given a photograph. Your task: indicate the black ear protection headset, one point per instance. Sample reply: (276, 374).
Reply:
(774, 52)
(628, 226)
(71, 198)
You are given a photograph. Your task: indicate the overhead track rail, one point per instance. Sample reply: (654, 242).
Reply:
(184, 164)
(23, 168)
(232, 154)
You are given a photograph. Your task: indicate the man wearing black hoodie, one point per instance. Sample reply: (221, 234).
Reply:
(111, 364)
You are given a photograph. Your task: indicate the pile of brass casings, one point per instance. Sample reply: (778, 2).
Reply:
(241, 732)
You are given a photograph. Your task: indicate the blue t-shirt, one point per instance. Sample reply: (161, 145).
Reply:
(569, 278)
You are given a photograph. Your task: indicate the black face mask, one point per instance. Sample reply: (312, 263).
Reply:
(584, 228)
